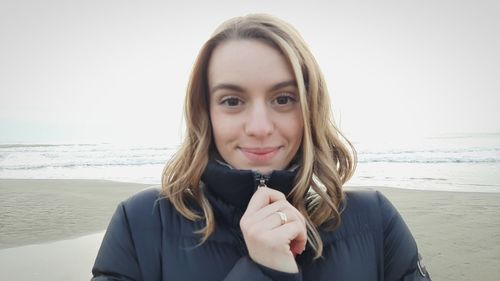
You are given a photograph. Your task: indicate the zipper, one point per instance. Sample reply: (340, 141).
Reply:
(261, 180)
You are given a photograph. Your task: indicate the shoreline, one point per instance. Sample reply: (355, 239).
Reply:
(456, 232)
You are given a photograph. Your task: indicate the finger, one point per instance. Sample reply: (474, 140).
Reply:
(269, 210)
(263, 197)
(255, 227)
(293, 234)
(280, 203)
(298, 235)
(268, 223)
(272, 211)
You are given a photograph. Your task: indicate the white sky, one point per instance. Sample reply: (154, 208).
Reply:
(115, 71)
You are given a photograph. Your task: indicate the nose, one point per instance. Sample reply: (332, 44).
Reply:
(259, 123)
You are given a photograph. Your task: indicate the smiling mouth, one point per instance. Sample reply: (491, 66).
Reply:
(260, 155)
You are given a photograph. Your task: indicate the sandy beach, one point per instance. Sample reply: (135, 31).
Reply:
(51, 229)
(37, 211)
(458, 233)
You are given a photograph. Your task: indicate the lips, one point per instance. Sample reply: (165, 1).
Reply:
(260, 155)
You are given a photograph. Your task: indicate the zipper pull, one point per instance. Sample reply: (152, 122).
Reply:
(262, 181)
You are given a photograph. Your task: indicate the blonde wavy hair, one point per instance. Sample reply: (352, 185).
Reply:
(326, 161)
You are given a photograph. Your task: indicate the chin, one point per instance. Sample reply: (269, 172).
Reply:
(265, 170)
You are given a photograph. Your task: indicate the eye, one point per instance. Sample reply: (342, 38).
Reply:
(231, 101)
(284, 99)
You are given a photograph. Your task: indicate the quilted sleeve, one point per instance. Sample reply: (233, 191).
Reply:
(248, 270)
(117, 258)
(402, 262)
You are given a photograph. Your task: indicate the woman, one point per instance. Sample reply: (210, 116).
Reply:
(255, 191)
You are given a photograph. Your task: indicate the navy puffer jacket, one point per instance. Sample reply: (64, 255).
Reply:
(148, 240)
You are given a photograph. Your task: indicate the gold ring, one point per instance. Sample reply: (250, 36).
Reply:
(283, 217)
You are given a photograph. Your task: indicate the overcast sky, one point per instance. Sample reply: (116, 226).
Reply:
(116, 71)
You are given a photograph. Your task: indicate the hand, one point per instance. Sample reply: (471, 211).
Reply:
(269, 242)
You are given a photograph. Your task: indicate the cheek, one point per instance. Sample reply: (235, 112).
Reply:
(295, 129)
(298, 136)
(222, 126)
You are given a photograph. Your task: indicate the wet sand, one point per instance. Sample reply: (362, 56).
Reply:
(37, 211)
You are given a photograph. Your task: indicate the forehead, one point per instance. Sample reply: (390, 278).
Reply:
(249, 63)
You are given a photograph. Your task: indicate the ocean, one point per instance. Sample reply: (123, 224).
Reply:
(468, 162)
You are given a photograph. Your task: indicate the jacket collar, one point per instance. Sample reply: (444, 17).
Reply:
(236, 187)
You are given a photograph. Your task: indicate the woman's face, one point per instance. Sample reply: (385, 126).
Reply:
(254, 106)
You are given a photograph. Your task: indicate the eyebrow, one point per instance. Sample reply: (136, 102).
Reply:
(233, 87)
